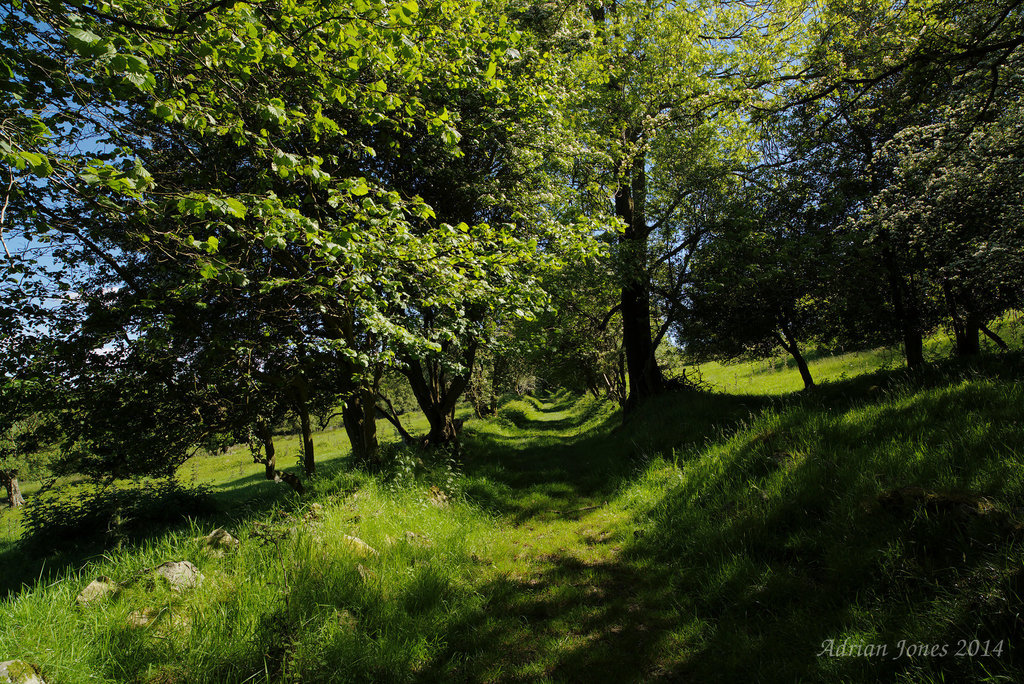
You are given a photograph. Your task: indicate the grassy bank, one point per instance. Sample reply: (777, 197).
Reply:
(712, 537)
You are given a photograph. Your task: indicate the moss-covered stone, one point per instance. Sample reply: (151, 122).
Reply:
(19, 672)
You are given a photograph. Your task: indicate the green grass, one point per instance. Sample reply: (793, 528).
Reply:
(713, 537)
(779, 375)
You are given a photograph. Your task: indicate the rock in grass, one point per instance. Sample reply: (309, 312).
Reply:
(97, 590)
(140, 619)
(359, 546)
(315, 512)
(218, 542)
(180, 575)
(19, 672)
(417, 540)
(438, 497)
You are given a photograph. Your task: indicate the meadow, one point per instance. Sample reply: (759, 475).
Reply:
(743, 533)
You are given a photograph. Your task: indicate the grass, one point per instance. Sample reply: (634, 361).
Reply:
(778, 375)
(713, 537)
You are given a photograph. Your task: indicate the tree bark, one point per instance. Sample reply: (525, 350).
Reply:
(360, 418)
(10, 480)
(789, 343)
(266, 435)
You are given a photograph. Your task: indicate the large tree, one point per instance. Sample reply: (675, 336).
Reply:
(667, 91)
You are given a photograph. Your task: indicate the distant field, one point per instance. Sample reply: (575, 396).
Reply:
(779, 375)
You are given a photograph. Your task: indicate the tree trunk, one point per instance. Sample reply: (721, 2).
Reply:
(995, 338)
(789, 343)
(302, 409)
(645, 377)
(360, 418)
(269, 451)
(442, 428)
(266, 434)
(913, 346)
(966, 329)
(391, 415)
(10, 480)
(970, 345)
(907, 315)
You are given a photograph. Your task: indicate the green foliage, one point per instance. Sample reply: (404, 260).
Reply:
(86, 513)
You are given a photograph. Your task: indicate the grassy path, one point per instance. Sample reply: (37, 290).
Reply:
(711, 538)
(566, 600)
(873, 511)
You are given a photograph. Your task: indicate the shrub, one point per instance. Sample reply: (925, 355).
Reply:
(89, 512)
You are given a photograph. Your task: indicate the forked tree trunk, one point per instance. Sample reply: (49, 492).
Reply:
(437, 395)
(266, 435)
(789, 343)
(360, 418)
(10, 480)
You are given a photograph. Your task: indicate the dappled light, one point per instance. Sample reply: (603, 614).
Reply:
(511, 341)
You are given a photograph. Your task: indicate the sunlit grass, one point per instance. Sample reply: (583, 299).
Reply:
(779, 375)
(712, 537)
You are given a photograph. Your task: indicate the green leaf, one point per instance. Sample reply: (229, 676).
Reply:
(234, 207)
(360, 188)
(84, 36)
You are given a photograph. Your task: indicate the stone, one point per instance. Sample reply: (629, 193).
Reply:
(315, 512)
(180, 575)
(97, 590)
(438, 497)
(417, 540)
(140, 619)
(358, 546)
(19, 672)
(218, 542)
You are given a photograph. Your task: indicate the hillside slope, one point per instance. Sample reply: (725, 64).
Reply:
(712, 538)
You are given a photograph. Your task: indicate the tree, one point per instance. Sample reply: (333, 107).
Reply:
(241, 174)
(23, 435)
(756, 284)
(882, 74)
(666, 88)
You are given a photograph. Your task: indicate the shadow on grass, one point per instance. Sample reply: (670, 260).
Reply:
(584, 456)
(27, 561)
(878, 510)
(572, 620)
